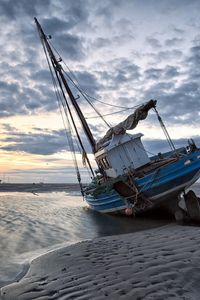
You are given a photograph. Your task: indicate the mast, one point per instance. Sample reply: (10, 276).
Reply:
(58, 69)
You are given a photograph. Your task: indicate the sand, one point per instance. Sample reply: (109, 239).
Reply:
(38, 187)
(162, 263)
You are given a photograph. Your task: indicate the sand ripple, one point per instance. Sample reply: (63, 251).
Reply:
(154, 264)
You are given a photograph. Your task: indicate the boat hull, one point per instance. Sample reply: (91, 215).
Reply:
(160, 186)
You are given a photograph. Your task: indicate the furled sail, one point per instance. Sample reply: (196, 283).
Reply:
(129, 123)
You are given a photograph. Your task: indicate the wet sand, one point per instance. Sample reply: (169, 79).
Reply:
(38, 187)
(161, 263)
(153, 263)
(31, 225)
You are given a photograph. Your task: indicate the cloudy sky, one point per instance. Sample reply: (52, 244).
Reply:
(122, 52)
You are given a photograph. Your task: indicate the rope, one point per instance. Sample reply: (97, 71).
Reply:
(72, 74)
(112, 105)
(165, 131)
(114, 113)
(68, 133)
(144, 150)
(84, 96)
(151, 181)
(79, 89)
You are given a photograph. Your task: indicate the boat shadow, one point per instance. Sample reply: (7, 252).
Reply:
(119, 224)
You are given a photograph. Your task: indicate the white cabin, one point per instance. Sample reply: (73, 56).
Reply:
(123, 153)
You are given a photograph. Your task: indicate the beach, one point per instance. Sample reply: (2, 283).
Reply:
(54, 247)
(37, 187)
(161, 263)
(32, 224)
(100, 150)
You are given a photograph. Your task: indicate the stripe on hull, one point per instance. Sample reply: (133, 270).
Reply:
(114, 202)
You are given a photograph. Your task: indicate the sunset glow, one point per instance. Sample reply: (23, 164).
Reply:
(121, 52)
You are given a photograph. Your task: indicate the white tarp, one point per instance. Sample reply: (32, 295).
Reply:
(129, 123)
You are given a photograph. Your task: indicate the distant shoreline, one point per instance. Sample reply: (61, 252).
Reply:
(38, 187)
(52, 187)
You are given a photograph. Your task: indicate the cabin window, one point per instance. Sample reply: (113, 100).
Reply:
(103, 163)
(107, 163)
(100, 164)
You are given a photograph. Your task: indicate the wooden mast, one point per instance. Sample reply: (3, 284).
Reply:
(58, 68)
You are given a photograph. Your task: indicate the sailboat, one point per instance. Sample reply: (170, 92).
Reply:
(127, 180)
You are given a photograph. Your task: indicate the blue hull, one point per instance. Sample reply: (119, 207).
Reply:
(158, 186)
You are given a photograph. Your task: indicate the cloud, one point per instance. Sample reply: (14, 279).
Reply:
(71, 45)
(101, 43)
(168, 72)
(153, 42)
(180, 105)
(123, 60)
(74, 11)
(169, 54)
(35, 143)
(153, 73)
(12, 10)
(171, 72)
(41, 141)
(154, 146)
(54, 25)
(10, 99)
(177, 30)
(88, 82)
(173, 42)
(119, 72)
(167, 8)
(41, 76)
(195, 55)
(25, 83)
(8, 127)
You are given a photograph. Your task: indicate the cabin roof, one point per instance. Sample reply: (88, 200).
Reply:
(116, 141)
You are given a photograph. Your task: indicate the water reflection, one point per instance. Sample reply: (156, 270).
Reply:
(30, 225)
(116, 224)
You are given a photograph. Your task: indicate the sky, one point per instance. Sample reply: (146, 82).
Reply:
(121, 52)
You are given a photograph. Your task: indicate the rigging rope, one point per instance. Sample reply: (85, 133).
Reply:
(91, 97)
(138, 145)
(68, 133)
(78, 87)
(84, 96)
(110, 114)
(171, 144)
(112, 105)
(60, 77)
(73, 122)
